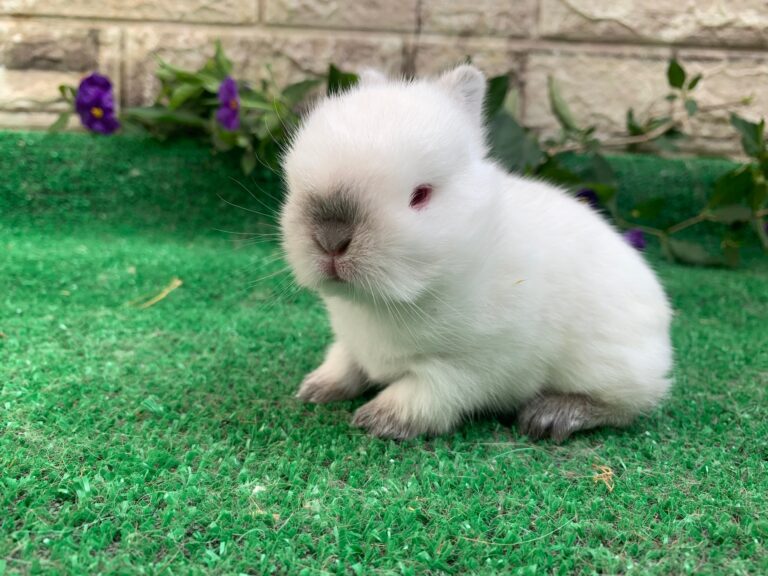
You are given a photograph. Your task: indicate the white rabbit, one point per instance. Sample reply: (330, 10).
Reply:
(456, 287)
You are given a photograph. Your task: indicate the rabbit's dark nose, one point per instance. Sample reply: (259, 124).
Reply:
(334, 237)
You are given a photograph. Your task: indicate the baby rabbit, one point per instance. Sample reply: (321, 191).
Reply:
(458, 288)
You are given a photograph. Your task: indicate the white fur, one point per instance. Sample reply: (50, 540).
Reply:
(500, 289)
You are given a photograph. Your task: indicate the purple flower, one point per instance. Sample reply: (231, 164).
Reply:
(635, 238)
(228, 113)
(589, 197)
(95, 105)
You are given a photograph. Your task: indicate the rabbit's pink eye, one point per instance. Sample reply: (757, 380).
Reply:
(420, 196)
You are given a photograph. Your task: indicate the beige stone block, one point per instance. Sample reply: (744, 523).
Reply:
(492, 56)
(598, 87)
(37, 57)
(30, 120)
(350, 14)
(704, 22)
(22, 90)
(292, 56)
(43, 50)
(170, 10)
(726, 80)
(480, 17)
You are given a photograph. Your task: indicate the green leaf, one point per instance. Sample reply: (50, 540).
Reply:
(591, 144)
(694, 82)
(256, 101)
(597, 175)
(761, 229)
(675, 74)
(554, 171)
(669, 141)
(339, 81)
(657, 121)
(153, 115)
(210, 83)
(691, 106)
(496, 93)
(182, 93)
(649, 209)
(606, 193)
(759, 195)
(61, 122)
(633, 128)
(218, 66)
(269, 127)
(295, 93)
(511, 145)
(223, 140)
(731, 255)
(222, 63)
(691, 253)
(511, 104)
(733, 187)
(130, 127)
(601, 171)
(560, 108)
(171, 73)
(269, 154)
(752, 135)
(731, 214)
(68, 93)
(733, 239)
(248, 161)
(597, 170)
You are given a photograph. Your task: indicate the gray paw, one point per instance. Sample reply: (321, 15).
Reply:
(555, 416)
(380, 418)
(319, 389)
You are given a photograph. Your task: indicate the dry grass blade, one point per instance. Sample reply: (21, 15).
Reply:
(605, 475)
(172, 285)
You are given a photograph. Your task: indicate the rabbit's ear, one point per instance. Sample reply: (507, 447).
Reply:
(467, 84)
(371, 77)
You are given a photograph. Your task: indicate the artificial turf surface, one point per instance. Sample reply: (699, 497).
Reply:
(165, 440)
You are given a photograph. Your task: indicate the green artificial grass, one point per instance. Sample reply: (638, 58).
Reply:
(166, 440)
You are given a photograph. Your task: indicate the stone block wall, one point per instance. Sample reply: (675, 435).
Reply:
(607, 55)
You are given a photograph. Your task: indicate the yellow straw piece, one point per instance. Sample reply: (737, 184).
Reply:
(175, 283)
(604, 475)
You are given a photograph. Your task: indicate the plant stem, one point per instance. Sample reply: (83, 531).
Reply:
(760, 230)
(686, 224)
(657, 132)
(647, 229)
